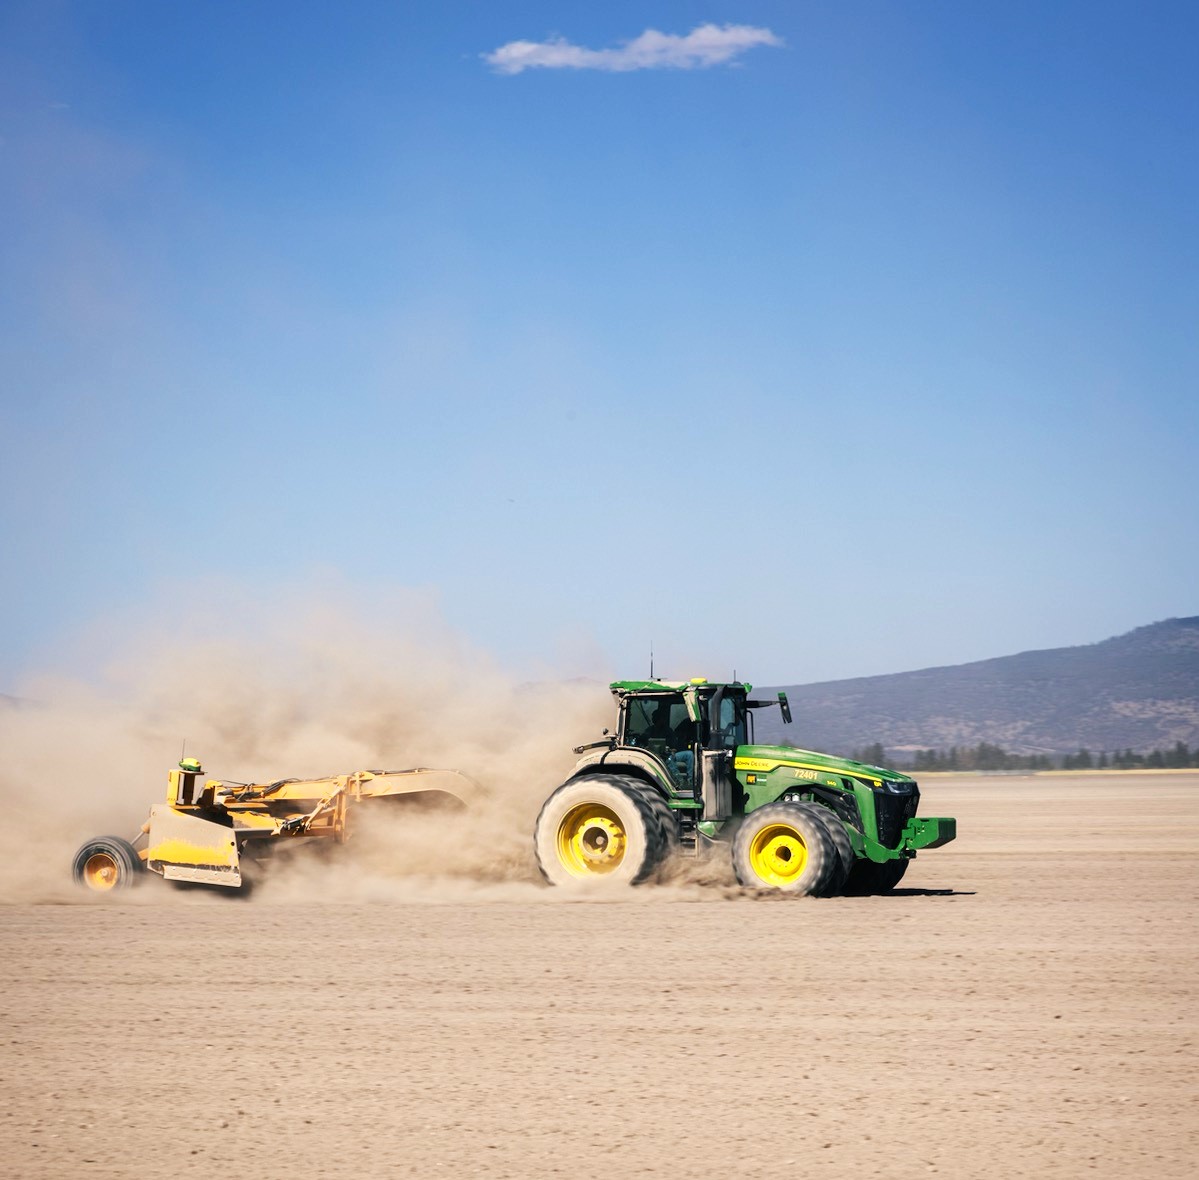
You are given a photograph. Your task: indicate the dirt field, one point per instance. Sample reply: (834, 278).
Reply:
(1025, 1005)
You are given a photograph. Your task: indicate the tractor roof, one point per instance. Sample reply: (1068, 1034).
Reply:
(623, 688)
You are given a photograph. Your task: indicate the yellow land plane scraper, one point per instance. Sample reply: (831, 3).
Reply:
(207, 828)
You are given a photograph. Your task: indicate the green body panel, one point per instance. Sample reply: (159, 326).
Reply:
(929, 831)
(767, 773)
(918, 832)
(814, 767)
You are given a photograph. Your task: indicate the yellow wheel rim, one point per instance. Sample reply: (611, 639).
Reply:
(101, 871)
(778, 855)
(591, 840)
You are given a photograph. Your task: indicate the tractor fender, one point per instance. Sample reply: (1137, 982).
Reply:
(625, 760)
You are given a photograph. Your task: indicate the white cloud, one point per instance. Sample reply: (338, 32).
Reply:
(704, 46)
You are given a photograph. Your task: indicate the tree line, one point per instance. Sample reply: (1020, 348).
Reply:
(988, 756)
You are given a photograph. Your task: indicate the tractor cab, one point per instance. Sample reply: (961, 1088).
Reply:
(662, 724)
(693, 728)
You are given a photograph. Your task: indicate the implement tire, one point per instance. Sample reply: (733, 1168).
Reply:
(106, 864)
(598, 830)
(784, 846)
(870, 877)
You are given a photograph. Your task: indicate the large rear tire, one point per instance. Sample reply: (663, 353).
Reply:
(783, 846)
(599, 830)
(106, 864)
(667, 823)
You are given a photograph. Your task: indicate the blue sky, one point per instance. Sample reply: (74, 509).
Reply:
(869, 347)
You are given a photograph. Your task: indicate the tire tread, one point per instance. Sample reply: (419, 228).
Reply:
(822, 854)
(630, 789)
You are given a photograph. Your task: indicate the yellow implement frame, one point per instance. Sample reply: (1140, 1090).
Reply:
(198, 833)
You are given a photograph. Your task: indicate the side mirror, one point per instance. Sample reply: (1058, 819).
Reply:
(785, 708)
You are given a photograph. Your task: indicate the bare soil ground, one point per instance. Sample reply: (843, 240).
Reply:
(1024, 1005)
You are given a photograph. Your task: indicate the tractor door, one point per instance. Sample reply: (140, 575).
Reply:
(662, 725)
(727, 729)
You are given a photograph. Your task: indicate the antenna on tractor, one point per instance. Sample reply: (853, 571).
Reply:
(651, 659)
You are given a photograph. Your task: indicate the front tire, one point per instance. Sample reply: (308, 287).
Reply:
(842, 847)
(106, 864)
(869, 877)
(783, 846)
(598, 830)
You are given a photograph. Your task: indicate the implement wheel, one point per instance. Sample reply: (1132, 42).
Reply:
(599, 829)
(783, 846)
(106, 864)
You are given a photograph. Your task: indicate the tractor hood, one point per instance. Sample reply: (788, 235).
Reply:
(767, 758)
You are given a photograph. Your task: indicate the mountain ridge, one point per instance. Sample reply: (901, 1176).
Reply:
(1138, 691)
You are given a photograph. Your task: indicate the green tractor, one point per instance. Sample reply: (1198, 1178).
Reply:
(682, 773)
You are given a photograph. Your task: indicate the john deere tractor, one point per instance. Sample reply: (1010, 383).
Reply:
(682, 773)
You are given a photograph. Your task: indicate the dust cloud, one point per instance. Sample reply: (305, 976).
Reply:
(293, 688)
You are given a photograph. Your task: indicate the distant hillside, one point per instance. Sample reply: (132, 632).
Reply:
(1138, 691)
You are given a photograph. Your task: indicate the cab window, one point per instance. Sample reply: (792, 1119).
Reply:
(660, 724)
(729, 723)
